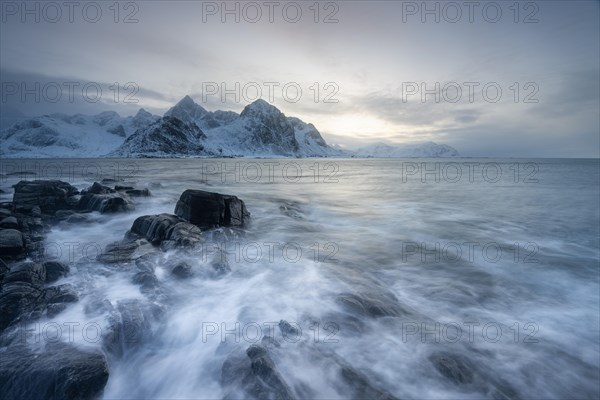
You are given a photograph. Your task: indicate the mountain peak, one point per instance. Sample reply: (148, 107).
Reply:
(260, 106)
(187, 110)
(142, 113)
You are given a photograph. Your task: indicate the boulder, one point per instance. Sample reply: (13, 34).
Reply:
(55, 270)
(208, 210)
(154, 227)
(105, 203)
(9, 223)
(60, 371)
(97, 188)
(49, 196)
(28, 272)
(17, 301)
(12, 242)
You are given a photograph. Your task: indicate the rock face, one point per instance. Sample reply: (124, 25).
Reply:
(207, 210)
(60, 372)
(50, 196)
(23, 294)
(167, 136)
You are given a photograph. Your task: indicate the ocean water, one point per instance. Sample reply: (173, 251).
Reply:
(381, 263)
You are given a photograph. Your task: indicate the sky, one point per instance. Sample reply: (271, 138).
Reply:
(504, 78)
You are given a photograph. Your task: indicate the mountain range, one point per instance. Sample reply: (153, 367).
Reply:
(186, 130)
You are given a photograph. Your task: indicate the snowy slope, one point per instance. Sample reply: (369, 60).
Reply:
(427, 149)
(60, 135)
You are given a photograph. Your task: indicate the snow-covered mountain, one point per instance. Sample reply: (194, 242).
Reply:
(187, 130)
(166, 137)
(60, 135)
(427, 149)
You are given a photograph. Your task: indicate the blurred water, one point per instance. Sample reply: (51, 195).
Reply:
(503, 251)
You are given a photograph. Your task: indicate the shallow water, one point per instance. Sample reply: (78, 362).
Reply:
(496, 260)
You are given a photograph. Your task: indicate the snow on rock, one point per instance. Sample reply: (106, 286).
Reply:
(427, 149)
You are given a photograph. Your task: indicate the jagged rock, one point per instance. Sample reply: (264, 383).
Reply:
(207, 209)
(154, 227)
(17, 301)
(97, 188)
(255, 374)
(55, 270)
(58, 372)
(60, 294)
(28, 272)
(49, 196)
(183, 234)
(12, 242)
(105, 203)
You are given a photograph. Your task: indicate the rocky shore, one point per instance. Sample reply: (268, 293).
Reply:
(32, 288)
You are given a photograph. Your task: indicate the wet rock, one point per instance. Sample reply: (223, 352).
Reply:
(454, 368)
(118, 252)
(105, 203)
(55, 270)
(372, 304)
(207, 209)
(129, 326)
(147, 280)
(76, 218)
(3, 271)
(64, 214)
(12, 242)
(182, 234)
(58, 372)
(50, 196)
(154, 227)
(17, 301)
(121, 188)
(181, 269)
(54, 309)
(288, 331)
(97, 188)
(4, 212)
(9, 223)
(27, 272)
(254, 374)
(60, 294)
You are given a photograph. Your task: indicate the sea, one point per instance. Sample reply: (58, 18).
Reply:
(385, 266)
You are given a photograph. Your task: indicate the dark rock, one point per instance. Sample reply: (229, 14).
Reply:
(54, 309)
(129, 327)
(36, 212)
(181, 269)
(184, 234)
(17, 301)
(3, 271)
(120, 188)
(27, 272)
(49, 196)
(97, 188)
(288, 331)
(207, 210)
(255, 375)
(372, 304)
(63, 214)
(59, 372)
(55, 270)
(105, 203)
(60, 294)
(11, 242)
(154, 227)
(76, 218)
(9, 223)
(146, 279)
(454, 368)
(118, 252)
(5, 213)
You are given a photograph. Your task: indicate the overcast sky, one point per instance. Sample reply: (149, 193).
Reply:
(361, 67)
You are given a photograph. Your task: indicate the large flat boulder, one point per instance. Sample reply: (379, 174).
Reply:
(208, 209)
(50, 195)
